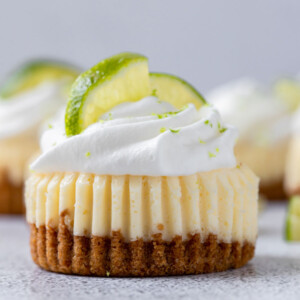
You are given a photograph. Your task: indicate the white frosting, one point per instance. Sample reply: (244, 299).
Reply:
(22, 112)
(132, 141)
(258, 114)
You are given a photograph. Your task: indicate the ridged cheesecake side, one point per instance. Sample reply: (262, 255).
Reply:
(268, 163)
(142, 226)
(14, 155)
(292, 179)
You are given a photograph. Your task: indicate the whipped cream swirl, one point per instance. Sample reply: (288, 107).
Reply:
(148, 137)
(259, 115)
(26, 110)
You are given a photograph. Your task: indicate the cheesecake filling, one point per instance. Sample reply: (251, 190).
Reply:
(149, 137)
(221, 202)
(292, 170)
(14, 155)
(264, 126)
(269, 168)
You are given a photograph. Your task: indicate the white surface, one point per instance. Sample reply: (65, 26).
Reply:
(273, 274)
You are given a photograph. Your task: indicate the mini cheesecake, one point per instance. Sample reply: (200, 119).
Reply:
(14, 155)
(140, 225)
(28, 97)
(269, 165)
(292, 180)
(147, 187)
(263, 120)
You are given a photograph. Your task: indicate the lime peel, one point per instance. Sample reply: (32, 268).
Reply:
(292, 228)
(120, 78)
(34, 73)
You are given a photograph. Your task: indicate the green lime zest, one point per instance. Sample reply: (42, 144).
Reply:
(220, 128)
(166, 115)
(174, 130)
(207, 122)
(210, 154)
(154, 93)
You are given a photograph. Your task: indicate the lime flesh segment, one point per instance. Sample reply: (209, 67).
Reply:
(120, 78)
(175, 90)
(34, 73)
(292, 231)
(289, 91)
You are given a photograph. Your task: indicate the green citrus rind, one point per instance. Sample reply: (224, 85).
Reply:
(120, 78)
(292, 225)
(175, 90)
(33, 73)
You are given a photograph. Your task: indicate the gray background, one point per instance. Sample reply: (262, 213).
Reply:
(205, 42)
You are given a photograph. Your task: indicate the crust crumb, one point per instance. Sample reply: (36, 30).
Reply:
(160, 227)
(11, 196)
(112, 256)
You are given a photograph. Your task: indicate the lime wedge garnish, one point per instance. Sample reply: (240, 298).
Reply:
(117, 79)
(292, 230)
(121, 78)
(289, 91)
(175, 90)
(34, 73)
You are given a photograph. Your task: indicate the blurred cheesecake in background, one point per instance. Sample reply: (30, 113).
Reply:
(292, 179)
(263, 120)
(289, 90)
(28, 97)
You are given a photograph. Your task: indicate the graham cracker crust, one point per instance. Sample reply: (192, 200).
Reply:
(273, 190)
(11, 196)
(293, 192)
(60, 251)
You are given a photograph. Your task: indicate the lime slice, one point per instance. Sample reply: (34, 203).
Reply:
(292, 231)
(175, 90)
(33, 73)
(120, 78)
(289, 91)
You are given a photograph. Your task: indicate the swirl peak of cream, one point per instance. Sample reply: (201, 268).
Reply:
(148, 137)
(22, 112)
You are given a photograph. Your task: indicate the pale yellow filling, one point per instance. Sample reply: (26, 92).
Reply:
(15, 153)
(292, 179)
(267, 162)
(221, 202)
